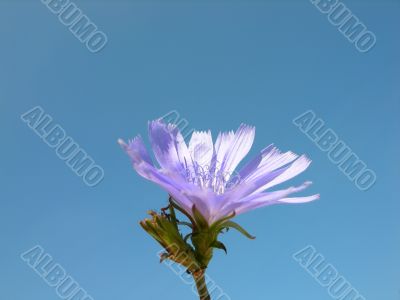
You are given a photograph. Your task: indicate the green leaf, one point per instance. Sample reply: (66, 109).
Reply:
(230, 224)
(219, 245)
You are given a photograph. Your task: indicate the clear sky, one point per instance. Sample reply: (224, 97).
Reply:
(217, 63)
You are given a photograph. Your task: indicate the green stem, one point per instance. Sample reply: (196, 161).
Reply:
(199, 278)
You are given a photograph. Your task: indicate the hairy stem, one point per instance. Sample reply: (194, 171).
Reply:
(199, 278)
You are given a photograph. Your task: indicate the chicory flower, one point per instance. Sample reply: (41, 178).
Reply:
(210, 187)
(203, 184)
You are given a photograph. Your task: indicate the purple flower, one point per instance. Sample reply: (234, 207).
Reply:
(212, 192)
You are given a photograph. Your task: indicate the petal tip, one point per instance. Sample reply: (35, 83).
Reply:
(122, 143)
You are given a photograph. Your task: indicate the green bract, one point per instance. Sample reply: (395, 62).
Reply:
(196, 255)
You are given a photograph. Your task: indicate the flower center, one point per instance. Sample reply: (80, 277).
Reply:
(212, 177)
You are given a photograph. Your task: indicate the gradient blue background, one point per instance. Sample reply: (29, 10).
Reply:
(218, 63)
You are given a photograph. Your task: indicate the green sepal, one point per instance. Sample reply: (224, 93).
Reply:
(216, 225)
(187, 237)
(219, 245)
(230, 224)
(201, 222)
(185, 223)
(165, 228)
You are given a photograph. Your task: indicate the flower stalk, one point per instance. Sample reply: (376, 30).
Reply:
(201, 285)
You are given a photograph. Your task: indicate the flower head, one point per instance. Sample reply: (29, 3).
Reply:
(203, 175)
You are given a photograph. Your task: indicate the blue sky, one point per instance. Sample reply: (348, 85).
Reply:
(218, 64)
